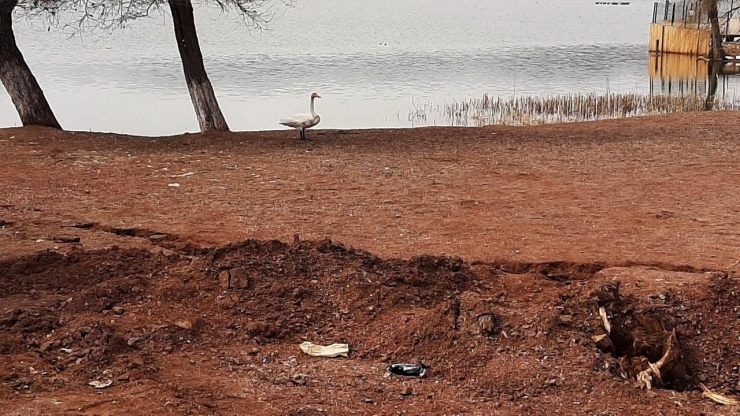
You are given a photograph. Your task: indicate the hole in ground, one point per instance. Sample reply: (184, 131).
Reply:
(639, 338)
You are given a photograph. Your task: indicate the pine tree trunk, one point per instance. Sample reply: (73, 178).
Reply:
(201, 92)
(16, 76)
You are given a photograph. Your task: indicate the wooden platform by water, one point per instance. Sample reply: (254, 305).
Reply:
(679, 39)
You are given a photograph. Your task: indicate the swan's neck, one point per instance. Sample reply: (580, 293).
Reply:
(313, 112)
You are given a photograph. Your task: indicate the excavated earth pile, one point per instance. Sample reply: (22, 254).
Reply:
(183, 329)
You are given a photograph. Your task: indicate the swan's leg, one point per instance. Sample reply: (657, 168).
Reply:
(303, 134)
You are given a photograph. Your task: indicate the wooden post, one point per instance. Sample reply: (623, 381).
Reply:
(698, 52)
(729, 15)
(655, 11)
(698, 19)
(662, 39)
(665, 11)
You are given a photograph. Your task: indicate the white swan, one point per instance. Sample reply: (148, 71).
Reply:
(303, 121)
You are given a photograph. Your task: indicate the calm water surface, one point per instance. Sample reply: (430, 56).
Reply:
(370, 61)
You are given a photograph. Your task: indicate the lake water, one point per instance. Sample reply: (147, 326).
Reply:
(370, 61)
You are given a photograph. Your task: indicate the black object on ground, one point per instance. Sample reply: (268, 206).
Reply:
(411, 370)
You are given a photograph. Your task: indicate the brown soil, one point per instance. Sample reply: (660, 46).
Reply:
(493, 250)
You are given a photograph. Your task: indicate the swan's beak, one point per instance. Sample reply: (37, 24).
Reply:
(318, 96)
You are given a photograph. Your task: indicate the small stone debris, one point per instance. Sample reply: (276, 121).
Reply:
(298, 379)
(184, 324)
(136, 362)
(239, 278)
(101, 384)
(236, 278)
(487, 324)
(64, 239)
(407, 391)
(224, 279)
(183, 175)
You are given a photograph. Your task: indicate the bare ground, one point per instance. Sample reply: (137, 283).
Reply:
(492, 251)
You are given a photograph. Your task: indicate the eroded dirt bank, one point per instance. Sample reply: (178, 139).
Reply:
(182, 329)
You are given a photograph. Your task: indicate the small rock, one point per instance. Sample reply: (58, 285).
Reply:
(136, 362)
(132, 341)
(225, 279)
(298, 379)
(45, 346)
(100, 384)
(239, 278)
(123, 377)
(407, 391)
(486, 324)
(566, 318)
(183, 324)
(118, 310)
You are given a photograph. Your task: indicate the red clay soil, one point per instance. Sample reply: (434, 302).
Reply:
(490, 254)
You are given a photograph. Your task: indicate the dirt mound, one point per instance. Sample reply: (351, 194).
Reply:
(211, 330)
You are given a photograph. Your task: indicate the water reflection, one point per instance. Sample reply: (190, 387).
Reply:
(683, 75)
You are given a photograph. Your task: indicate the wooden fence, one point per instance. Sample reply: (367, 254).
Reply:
(665, 38)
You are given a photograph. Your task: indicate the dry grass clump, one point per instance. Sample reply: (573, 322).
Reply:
(529, 110)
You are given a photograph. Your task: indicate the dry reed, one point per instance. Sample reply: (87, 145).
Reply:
(527, 110)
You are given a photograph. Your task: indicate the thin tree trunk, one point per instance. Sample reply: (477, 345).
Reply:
(201, 91)
(718, 52)
(16, 76)
(713, 81)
